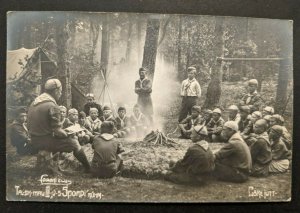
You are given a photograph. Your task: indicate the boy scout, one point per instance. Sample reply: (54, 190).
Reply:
(214, 127)
(252, 99)
(188, 123)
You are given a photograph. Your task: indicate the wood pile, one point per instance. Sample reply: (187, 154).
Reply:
(159, 138)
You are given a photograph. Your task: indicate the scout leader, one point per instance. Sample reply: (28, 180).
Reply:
(190, 92)
(45, 127)
(143, 88)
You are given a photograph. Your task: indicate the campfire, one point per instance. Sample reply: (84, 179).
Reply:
(157, 137)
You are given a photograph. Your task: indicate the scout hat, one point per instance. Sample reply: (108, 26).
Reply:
(245, 109)
(208, 111)
(233, 107)
(106, 108)
(257, 114)
(267, 117)
(72, 111)
(278, 129)
(201, 130)
(196, 108)
(191, 69)
(93, 110)
(52, 84)
(278, 117)
(90, 95)
(217, 110)
(143, 69)
(121, 108)
(269, 109)
(253, 82)
(232, 125)
(63, 107)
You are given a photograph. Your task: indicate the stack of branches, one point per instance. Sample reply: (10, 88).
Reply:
(158, 137)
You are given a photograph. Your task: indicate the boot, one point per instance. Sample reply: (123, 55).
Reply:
(80, 155)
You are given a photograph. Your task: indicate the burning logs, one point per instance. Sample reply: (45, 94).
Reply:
(159, 138)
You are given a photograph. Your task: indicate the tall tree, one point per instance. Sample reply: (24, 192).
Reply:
(214, 88)
(63, 72)
(105, 43)
(129, 39)
(179, 56)
(285, 35)
(151, 42)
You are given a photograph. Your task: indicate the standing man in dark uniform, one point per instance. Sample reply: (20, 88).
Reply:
(190, 91)
(143, 87)
(91, 103)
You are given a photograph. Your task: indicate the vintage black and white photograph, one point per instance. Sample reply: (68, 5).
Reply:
(140, 107)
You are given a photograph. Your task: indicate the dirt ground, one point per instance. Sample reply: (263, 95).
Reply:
(23, 180)
(23, 183)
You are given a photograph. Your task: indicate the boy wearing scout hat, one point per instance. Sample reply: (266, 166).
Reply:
(190, 92)
(281, 156)
(233, 114)
(252, 99)
(286, 136)
(18, 133)
(93, 123)
(45, 128)
(91, 103)
(260, 149)
(267, 111)
(214, 127)
(197, 162)
(207, 116)
(233, 161)
(188, 123)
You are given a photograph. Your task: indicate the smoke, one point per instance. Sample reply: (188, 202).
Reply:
(121, 79)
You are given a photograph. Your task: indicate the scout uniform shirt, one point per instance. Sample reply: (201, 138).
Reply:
(215, 127)
(253, 100)
(190, 88)
(190, 121)
(93, 125)
(122, 123)
(144, 89)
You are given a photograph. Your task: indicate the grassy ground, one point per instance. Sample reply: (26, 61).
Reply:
(21, 173)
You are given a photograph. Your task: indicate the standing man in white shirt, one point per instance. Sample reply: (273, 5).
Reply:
(190, 92)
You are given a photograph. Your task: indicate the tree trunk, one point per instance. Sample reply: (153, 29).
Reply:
(139, 38)
(62, 61)
(94, 34)
(285, 66)
(104, 44)
(179, 56)
(214, 88)
(150, 48)
(129, 41)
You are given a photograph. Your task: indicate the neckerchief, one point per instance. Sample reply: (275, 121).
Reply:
(250, 96)
(42, 98)
(122, 121)
(141, 82)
